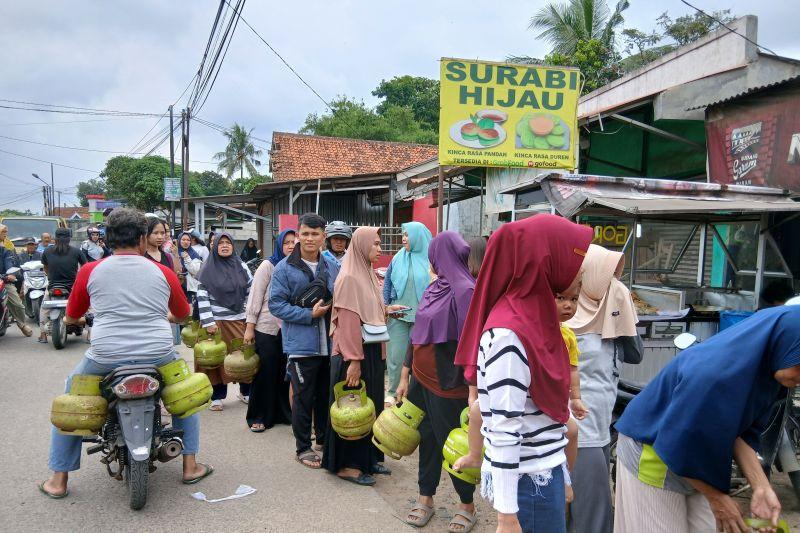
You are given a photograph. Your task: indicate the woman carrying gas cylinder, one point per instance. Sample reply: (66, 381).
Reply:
(512, 349)
(437, 385)
(406, 278)
(221, 301)
(357, 301)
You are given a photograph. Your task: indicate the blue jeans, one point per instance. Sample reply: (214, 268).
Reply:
(542, 506)
(65, 450)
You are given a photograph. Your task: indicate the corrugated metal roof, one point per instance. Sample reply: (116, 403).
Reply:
(747, 92)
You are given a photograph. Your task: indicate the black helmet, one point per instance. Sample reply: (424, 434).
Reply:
(337, 228)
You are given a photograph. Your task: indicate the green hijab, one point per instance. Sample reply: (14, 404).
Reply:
(413, 262)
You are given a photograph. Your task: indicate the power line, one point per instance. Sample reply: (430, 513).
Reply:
(17, 179)
(71, 121)
(53, 162)
(79, 112)
(66, 147)
(715, 19)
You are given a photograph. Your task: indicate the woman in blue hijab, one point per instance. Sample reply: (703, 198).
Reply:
(705, 409)
(284, 245)
(407, 277)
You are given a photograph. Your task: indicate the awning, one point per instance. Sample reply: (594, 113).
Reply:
(574, 195)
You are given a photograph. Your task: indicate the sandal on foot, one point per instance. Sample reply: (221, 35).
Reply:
(464, 519)
(255, 429)
(307, 457)
(419, 515)
(50, 494)
(198, 479)
(365, 480)
(216, 405)
(383, 470)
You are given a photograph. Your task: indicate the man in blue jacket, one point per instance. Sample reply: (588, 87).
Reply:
(301, 291)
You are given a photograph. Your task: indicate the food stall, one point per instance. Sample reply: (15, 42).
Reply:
(693, 251)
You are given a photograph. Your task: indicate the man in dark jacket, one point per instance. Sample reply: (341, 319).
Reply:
(8, 260)
(301, 290)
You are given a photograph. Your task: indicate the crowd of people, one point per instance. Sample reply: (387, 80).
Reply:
(527, 329)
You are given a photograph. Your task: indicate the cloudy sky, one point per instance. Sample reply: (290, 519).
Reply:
(140, 55)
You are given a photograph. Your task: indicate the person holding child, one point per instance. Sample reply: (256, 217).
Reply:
(512, 349)
(438, 386)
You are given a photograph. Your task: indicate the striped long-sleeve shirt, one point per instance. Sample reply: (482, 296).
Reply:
(520, 438)
(210, 311)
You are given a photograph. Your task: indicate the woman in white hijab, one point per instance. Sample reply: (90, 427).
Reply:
(605, 325)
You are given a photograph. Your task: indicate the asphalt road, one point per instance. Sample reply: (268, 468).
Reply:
(290, 497)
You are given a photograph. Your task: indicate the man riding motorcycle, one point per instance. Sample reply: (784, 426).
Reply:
(8, 260)
(131, 327)
(30, 253)
(61, 263)
(93, 248)
(337, 239)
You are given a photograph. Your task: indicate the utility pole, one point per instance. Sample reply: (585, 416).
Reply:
(52, 192)
(171, 163)
(59, 201)
(187, 114)
(46, 197)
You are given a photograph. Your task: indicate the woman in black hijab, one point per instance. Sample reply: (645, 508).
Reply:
(250, 250)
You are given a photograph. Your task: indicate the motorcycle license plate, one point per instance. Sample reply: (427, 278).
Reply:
(35, 295)
(54, 304)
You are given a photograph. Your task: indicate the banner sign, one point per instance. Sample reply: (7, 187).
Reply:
(756, 141)
(172, 189)
(508, 115)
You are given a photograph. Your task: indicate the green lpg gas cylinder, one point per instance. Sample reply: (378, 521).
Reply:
(185, 392)
(82, 411)
(395, 431)
(352, 412)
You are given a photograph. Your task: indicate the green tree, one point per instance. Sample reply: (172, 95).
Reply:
(245, 185)
(16, 213)
(598, 64)
(353, 119)
(565, 25)
(140, 181)
(212, 183)
(688, 28)
(419, 94)
(92, 186)
(240, 153)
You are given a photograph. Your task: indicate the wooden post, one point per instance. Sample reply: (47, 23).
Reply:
(440, 201)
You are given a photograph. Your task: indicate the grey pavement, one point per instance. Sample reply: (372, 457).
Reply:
(290, 497)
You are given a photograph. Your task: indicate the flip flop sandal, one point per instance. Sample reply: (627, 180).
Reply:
(50, 494)
(364, 480)
(258, 430)
(215, 406)
(208, 472)
(464, 519)
(311, 457)
(383, 470)
(423, 514)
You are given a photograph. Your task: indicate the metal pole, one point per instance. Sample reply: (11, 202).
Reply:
(185, 165)
(480, 227)
(46, 200)
(633, 251)
(440, 200)
(52, 192)
(59, 201)
(760, 260)
(449, 204)
(319, 185)
(701, 259)
(171, 161)
(391, 203)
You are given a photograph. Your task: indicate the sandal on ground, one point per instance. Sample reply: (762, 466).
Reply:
(216, 405)
(464, 519)
(419, 515)
(383, 470)
(308, 457)
(256, 429)
(198, 479)
(364, 480)
(50, 494)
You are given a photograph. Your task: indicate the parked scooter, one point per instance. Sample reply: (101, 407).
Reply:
(133, 435)
(57, 306)
(780, 442)
(34, 287)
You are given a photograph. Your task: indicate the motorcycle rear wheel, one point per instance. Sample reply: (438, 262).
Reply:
(36, 307)
(3, 325)
(59, 332)
(136, 474)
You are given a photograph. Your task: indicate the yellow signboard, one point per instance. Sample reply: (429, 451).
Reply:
(508, 115)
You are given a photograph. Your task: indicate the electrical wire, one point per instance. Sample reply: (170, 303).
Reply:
(51, 162)
(715, 19)
(71, 121)
(75, 112)
(17, 179)
(65, 147)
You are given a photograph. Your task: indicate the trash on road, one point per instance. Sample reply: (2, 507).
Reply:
(241, 492)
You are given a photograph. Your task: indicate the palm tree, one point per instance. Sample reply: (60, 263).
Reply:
(239, 154)
(563, 25)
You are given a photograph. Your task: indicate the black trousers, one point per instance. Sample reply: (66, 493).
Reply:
(442, 415)
(310, 388)
(269, 392)
(360, 454)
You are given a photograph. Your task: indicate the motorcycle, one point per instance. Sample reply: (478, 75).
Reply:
(779, 443)
(34, 286)
(57, 306)
(133, 436)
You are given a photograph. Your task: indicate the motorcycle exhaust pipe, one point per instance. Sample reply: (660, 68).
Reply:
(169, 450)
